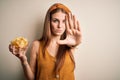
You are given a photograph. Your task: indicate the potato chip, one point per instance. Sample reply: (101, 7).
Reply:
(19, 42)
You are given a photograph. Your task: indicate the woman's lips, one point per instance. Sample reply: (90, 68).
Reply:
(59, 30)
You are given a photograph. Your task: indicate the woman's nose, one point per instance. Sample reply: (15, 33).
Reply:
(60, 24)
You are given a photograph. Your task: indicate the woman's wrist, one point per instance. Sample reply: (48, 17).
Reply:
(23, 60)
(25, 63)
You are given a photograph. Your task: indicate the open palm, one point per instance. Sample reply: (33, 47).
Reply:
(73, 37)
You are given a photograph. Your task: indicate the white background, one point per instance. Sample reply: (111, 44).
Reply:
(97, 57)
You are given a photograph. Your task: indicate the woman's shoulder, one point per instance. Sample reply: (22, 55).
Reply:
(35, 45)
(36, 41)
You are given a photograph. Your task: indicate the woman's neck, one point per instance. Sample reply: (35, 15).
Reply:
(54, 39)
(53, 46)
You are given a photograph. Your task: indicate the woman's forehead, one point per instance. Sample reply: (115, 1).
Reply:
(59, 14)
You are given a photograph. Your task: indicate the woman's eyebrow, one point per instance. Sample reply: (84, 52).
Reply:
(55, 18)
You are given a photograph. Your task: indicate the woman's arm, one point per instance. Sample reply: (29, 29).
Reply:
(33, 56)
(29, 70)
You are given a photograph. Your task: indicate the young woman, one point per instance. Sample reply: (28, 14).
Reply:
(51, 57)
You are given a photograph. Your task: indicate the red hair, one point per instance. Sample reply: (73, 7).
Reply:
(60, 57)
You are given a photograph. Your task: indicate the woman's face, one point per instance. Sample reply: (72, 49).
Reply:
(58, 23)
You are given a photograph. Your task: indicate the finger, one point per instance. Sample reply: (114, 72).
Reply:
(10, 48)
(66, 23)
(74, 22)
(78, 26)
(23, 50)
(20, 51)
(67, 26)
(70, 20)
(14, 50)
(26, 49)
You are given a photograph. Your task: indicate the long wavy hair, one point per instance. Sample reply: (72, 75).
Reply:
(46, 37)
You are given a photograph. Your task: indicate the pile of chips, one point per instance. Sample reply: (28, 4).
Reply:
(19, 42)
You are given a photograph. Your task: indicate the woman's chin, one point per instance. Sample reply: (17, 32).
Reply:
(58, 34)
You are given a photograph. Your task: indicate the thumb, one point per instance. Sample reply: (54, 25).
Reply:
(62, 42)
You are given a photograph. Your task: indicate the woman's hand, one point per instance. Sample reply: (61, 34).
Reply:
(73, 37)
(18, 52)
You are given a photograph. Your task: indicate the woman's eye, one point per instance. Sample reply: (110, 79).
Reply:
(63, 21)
(55, 20)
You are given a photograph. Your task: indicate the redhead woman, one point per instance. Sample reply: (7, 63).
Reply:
(51, 56)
